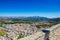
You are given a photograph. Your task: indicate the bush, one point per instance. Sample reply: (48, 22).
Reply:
(38, 26)
(2, 33)
(20, 36)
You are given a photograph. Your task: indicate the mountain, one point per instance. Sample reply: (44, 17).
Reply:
(55, 19)
(33, 18)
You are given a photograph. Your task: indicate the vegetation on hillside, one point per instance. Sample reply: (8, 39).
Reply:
(2, 33)
(20, 36)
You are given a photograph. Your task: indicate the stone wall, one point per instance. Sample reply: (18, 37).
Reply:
(52, 33)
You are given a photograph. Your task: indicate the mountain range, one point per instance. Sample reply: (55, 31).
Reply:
(33, 18)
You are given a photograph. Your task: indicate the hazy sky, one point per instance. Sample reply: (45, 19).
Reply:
(45, 8)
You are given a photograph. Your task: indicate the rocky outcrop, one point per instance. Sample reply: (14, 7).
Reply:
(52, 33)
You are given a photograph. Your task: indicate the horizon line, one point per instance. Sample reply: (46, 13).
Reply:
(29, 16)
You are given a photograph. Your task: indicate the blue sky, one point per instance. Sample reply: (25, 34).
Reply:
(45, 8)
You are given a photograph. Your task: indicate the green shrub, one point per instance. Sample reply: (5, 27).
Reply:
(20, 36)
(38, 26)
(2, 33)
